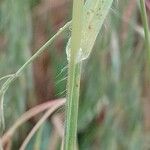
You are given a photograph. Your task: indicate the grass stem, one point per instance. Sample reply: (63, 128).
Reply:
(14, 76)
(146, 28)
(74, 73)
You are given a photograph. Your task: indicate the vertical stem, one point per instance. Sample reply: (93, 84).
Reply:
(147, 46)
(146, 28)
(146, 80)
(74, 73)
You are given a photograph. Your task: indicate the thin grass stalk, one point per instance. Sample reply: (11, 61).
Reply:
(147, 49)
(74, 73)
(14, 76)
(146, 29)
(5, 77)
(28, 115)
(40, 123)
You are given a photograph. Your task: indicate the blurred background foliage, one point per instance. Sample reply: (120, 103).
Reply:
(114, 111)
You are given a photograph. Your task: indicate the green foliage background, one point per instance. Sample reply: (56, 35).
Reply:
(111, 101)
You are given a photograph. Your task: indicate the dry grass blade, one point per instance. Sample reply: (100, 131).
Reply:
(26, 116)
(40, 122)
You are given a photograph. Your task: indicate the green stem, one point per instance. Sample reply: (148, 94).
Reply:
(5, 77)
(146, 28)
(14, 76)
(37, 54)
(74, 73)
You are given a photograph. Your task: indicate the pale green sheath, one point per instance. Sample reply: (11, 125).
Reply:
(94, 14)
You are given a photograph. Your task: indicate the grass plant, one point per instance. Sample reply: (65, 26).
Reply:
(74, 73)
(108, 83)
(86, 24)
